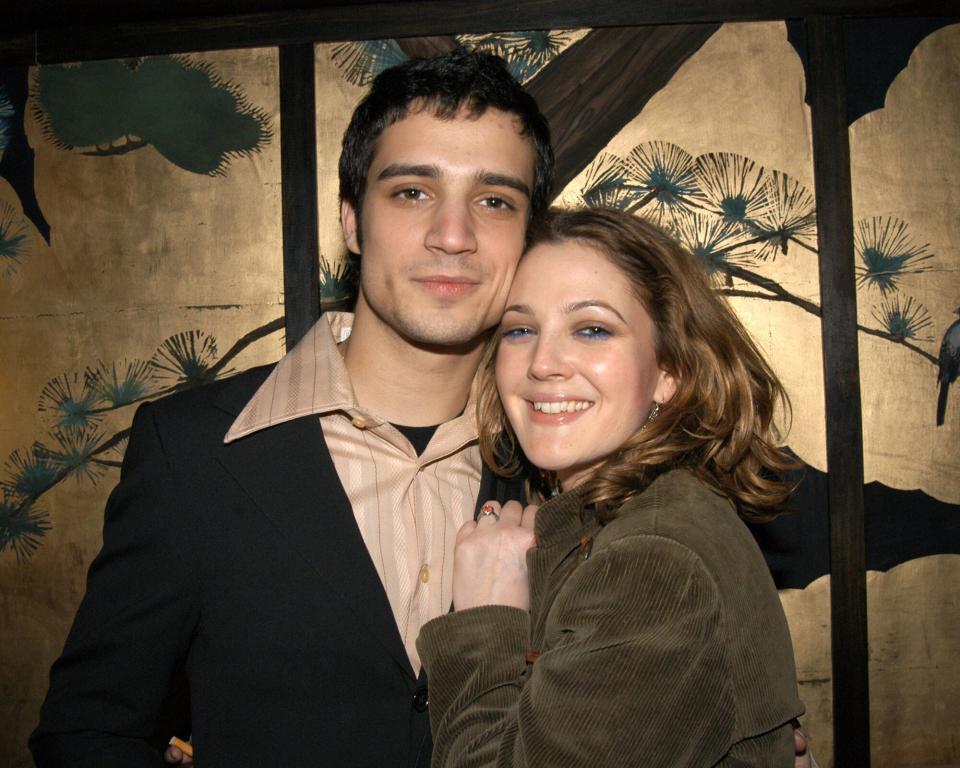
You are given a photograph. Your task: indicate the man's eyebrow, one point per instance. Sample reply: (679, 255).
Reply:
(396, 169)
(503, 180)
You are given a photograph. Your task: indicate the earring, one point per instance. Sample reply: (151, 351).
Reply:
(654, 412)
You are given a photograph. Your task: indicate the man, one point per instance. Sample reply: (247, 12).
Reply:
(280, 537)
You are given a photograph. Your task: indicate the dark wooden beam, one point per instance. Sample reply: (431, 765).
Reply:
(423, 47)
(600, 83)
(298, 171)
(841, 365)
(99, 36)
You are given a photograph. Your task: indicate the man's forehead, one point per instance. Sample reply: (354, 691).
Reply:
(465, 110)
(422, 133)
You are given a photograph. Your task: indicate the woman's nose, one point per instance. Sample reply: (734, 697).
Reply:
(549, 359)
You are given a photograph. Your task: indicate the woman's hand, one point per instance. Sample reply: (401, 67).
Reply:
(490, 557)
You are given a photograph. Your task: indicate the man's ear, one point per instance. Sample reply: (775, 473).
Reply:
(349, 224)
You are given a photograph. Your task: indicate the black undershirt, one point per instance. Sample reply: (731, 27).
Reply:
(419, 437)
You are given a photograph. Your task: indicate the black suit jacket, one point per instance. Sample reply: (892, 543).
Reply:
(239, 568)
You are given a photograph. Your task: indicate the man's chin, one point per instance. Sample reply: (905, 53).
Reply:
(449, 338)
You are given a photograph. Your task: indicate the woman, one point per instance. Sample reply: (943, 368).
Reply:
(643, 628)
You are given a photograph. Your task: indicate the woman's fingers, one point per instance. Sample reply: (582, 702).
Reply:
(511, 513)
(489, 564)
(490, 513)
(529, 515)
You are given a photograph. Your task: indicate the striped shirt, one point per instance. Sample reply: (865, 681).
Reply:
(408, 507)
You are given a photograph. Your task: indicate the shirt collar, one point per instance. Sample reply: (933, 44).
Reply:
(312, 379)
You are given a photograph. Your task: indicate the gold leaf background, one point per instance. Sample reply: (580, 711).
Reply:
(141, 249)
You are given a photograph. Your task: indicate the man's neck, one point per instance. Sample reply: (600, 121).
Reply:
(407, 383)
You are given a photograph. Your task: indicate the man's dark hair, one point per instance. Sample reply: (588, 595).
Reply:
(444, 83)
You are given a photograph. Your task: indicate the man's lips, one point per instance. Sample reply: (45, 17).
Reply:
(447, 286)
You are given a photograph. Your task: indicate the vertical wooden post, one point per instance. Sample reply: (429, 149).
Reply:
(841, 364)
(298, 181)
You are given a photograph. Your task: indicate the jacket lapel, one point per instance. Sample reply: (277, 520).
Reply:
(288, 472)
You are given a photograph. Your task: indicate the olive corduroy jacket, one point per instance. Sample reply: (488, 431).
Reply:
(656, 640)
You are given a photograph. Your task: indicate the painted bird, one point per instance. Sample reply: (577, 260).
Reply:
(949, 365)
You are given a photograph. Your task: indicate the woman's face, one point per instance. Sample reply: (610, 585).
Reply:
(576, 367)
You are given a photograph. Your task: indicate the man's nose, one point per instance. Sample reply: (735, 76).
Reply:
(452, 229)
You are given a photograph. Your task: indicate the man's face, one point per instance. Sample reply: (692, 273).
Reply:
(443, 224)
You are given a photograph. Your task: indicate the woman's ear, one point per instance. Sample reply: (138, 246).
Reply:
(666, 387)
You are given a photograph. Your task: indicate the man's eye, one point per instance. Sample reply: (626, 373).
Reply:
(497, 203)
(410, 194)
(593, 332)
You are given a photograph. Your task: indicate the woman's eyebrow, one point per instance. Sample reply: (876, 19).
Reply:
(567, 309)
(590, 304)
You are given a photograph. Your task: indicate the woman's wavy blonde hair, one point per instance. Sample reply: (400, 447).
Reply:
(720, 422)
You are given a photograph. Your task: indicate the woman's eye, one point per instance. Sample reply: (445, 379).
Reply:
(593, 332)
(512, 334)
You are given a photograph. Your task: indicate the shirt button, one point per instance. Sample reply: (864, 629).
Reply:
(424, 574)
(359, 422)
(420, 699)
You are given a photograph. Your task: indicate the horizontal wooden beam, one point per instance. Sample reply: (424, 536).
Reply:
(100, 36)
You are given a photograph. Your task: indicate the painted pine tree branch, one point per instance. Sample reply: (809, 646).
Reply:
(28, 500)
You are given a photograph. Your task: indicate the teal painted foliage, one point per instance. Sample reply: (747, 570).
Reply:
(887, 252)
(7, 114)
(73, 452)
(22, 523)
(361, 61)
(80, 408)
(75, 408)
(14, 238)
(69, 403)
(734, 214)
(185, 359)
(182, 108)
(526, 53)
(119, 384)
(22, 527)
(337, 284)
(29, 473)
(906, 319)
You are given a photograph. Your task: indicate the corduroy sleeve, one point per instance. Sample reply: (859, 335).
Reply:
(633, 672)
